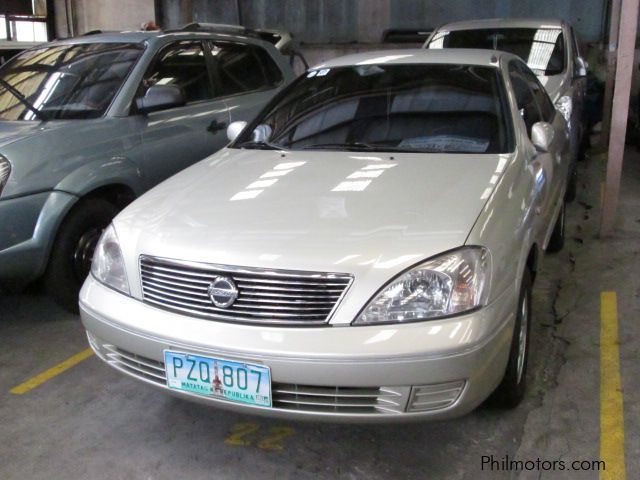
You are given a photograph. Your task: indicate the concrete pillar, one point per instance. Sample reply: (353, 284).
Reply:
(619, 114)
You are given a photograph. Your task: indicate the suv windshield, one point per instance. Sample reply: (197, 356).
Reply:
(65, 81)
(541, 48)
(410, 108)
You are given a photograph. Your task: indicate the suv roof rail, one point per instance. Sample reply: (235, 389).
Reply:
(279, 38)
(92, 32)
(212, 27)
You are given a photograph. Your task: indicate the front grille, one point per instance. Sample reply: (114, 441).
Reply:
(141, 367)
(264, 296)
(300, 398)
(349, 400)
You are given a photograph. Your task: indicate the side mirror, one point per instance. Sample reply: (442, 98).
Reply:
(234, 129)
(160, 97)
(580, 68)
(542, 134)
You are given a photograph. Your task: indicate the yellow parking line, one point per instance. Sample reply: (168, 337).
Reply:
(52, 372)
(611, 398)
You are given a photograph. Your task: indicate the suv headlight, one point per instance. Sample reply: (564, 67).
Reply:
(565, 106)
(108, 264)
(5, 170)
(449, 284)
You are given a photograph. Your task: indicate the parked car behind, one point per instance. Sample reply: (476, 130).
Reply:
(364, 250)
(550, 49)
(90, 123)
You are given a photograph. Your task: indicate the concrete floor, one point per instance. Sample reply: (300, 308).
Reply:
(93, 423)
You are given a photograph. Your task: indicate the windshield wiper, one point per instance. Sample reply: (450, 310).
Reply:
(260, 145)
(9, 88)
(358, 147)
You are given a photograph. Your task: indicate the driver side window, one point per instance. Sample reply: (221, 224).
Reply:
(525, 99)
(184, 65)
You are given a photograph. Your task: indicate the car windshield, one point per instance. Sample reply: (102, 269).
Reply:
(65, 81)
(541, 48)
(410, 108)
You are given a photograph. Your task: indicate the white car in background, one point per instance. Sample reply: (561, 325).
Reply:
(550, 49)
(363, 251)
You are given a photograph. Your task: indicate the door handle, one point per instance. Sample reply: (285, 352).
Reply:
(216, 126)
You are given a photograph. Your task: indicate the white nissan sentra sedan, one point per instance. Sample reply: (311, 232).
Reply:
(363, 251)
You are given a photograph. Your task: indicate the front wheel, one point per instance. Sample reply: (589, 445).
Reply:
(72, 252)
(511, 390)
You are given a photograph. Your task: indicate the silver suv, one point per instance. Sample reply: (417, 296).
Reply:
(88, 124)
(550, 49)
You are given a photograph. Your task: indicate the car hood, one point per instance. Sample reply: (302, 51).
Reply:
(317, 211)
(12, 131)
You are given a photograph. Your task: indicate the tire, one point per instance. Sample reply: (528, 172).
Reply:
(556, 242)
(72, 251)
(511, 390)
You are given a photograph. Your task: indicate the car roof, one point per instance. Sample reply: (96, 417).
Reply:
(462, 56)
(144, 36)
(503, 23)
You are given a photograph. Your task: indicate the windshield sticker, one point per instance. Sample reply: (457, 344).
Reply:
(446, 143)
(323, 72)
(312, 73)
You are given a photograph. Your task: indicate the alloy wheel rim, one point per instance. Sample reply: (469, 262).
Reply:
(522, 338)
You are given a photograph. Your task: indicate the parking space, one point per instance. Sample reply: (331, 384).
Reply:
(89, 421)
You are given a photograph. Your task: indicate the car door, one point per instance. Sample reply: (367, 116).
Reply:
(177, 137)
(550, 167)
(246, 75)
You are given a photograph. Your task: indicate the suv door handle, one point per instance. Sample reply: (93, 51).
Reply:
(216, 126)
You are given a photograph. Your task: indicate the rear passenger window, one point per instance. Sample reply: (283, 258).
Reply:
(242, 68)
(182, 64)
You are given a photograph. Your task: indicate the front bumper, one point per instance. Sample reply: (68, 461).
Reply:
(28, 226)
(427, 370)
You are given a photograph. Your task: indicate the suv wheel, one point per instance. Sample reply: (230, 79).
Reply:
(72, 252)
(511, 390)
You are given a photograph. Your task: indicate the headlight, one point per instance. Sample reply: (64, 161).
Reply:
(108, 265)
(449, 284)
(5, 170)
(565, 106)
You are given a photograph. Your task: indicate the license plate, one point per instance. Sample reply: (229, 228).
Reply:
(214, 377)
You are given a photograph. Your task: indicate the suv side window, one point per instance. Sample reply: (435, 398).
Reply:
(182, 64)
(541, 96)
(524, 97)
(239, 68)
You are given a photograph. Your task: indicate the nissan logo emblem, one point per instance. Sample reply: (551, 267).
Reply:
(223, 292)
